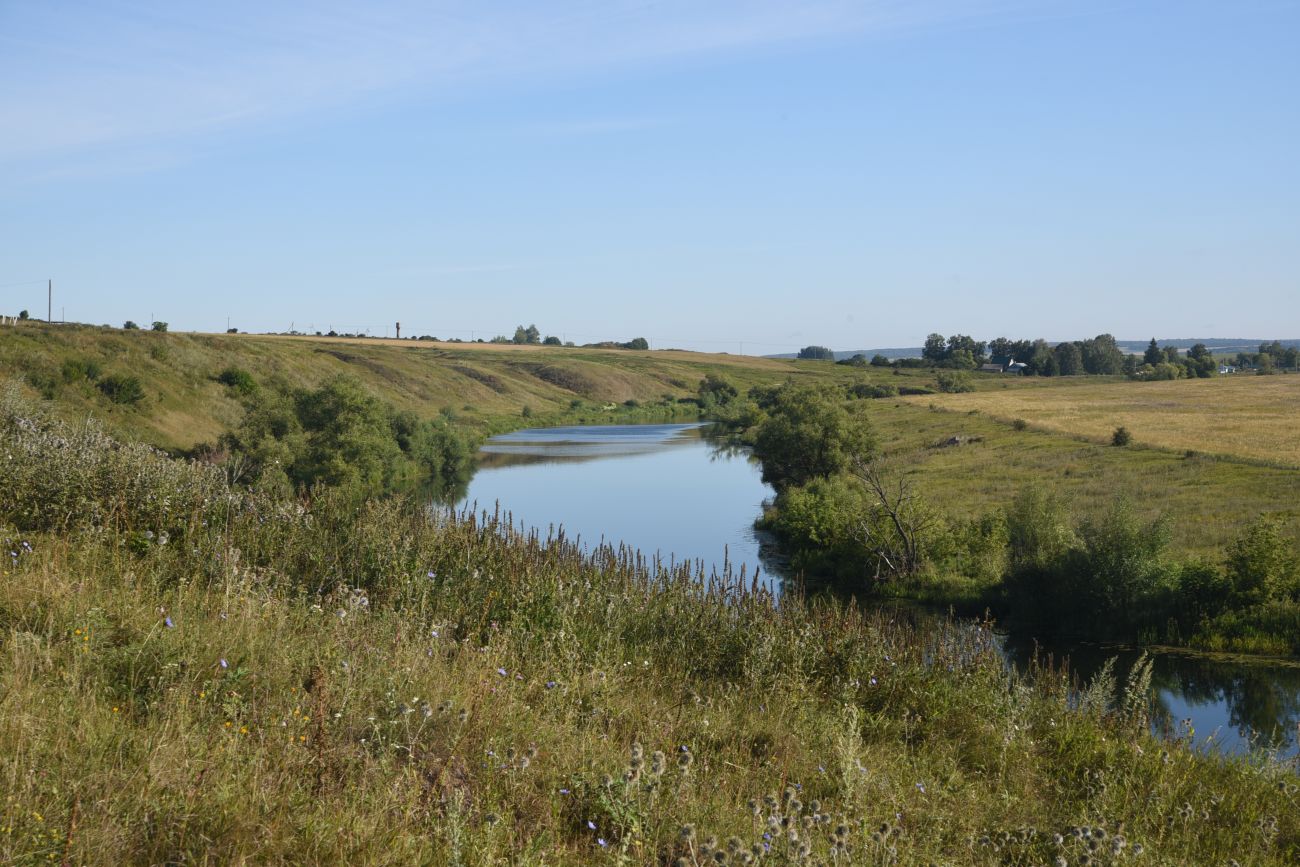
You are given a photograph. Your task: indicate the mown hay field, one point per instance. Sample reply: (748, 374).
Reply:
(1251, 417)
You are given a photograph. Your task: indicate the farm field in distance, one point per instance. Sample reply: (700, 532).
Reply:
(1241, 416)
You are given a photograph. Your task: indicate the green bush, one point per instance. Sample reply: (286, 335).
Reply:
(123, 389)
(953, 382)
(239, 379)
(863, 390)
(77, 369)
(1121, 437)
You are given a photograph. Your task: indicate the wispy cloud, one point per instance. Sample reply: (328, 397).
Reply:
(80, 76)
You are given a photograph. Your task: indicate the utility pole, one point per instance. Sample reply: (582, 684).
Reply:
(399, 331)
(49, 302)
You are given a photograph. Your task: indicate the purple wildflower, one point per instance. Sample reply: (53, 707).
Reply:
(169, 623)
(501, 671)
(591, 825)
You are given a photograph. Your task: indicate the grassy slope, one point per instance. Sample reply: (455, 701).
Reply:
(480, 699)
(485, 384)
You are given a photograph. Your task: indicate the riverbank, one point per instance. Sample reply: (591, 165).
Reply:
(196, 672)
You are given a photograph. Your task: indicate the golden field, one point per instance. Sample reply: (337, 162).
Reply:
(1251, 417)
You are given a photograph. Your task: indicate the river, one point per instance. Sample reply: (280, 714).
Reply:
(670, 490)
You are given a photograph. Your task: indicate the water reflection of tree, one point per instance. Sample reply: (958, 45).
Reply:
(1262, 699)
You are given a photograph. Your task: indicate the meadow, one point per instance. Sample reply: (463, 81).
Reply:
(192, 673)
(1240, 416)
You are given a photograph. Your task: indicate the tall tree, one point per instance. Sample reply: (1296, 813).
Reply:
(1153, 355)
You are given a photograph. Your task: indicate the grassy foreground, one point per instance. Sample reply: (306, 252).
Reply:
(194, 674)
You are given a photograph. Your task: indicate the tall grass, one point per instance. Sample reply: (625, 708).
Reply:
(194, 674)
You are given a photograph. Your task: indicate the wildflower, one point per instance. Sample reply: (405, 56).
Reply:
(591, 825)
(602, 841)
(491, 819)
(223, 663)
(550, 684)
(687, 833)
(168, 622)
(564, 791)
(502, 672)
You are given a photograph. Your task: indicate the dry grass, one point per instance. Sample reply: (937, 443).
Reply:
(1241, 416)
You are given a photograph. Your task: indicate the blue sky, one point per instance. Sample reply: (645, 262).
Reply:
(704, 174)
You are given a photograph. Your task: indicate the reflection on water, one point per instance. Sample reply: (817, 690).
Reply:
(670, 488)
(664, 488)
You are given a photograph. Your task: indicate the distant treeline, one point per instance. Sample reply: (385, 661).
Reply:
(1099, 356)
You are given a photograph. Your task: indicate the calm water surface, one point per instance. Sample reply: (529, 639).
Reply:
(660, 488)
(668, 488)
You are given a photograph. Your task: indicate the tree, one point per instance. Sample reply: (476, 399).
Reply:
(1002, 347)
(159, 326)
(716, 391)
(1262, 565)
(896, 526)
(23, 315)
(1069, 359)
(961, 342)
(1041, 360)
(527, 335)
(1121, 437)
(637, 343)
(808, 433)
(552, 340)
(936, 348)
(821, 353)
(128, 325)
(879, 360)
(1102, 355)
(1153, 355)
(962, 359)
(1264, 364)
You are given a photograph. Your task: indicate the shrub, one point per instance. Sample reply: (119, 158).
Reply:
(159, 326)
(239, 379)
(1020, 424)
(77, 369)
(869, 390)
(128, 325)
(1262, 565)
(1121, 436)
(120, 388)
(819, 353)
(953, 382)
